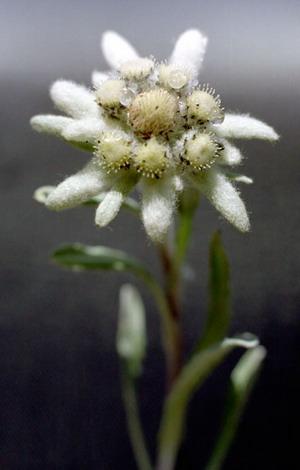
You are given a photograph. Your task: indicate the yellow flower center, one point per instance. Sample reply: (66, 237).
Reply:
(109, 94)
(202, 107)
(114, 151)
(137, 69)
(153, 112)
(200, 151)
(151, 158)
(160, 120)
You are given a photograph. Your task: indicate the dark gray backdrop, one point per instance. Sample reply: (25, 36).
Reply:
(59, 391)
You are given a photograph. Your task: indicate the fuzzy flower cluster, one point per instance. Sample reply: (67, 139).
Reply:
(152, 126)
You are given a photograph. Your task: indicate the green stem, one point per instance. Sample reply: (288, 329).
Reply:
(171, 292)
(171, 261)
(133, 422)
(170, 329)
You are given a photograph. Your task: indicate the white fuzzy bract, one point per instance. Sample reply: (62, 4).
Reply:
(150, 125)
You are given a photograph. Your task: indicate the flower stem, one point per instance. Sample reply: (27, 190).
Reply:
(133, 423)
(171, 290)
(170, 331)
(171, 261)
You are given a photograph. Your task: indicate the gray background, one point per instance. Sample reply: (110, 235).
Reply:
(60, 399)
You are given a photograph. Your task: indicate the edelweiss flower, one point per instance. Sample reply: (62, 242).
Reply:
(150, 125)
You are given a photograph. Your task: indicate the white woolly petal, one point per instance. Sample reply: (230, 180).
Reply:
(158, 205)
(78, 188)
(50, 124)
(116, 49)
(231, 155)
(242, 179)
(112, 202)
(74, 99)
(98, 78)
(189, 50)
(108, 209)
(225, 198)
(84, 130)
(242, 126)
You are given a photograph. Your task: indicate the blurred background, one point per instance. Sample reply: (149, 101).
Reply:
(60, 403)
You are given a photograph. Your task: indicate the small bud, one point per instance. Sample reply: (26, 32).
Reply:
(200, 151)
(171, 76)
(131, 335)
(151, 158)
(114, 151)
(203, 107)
(109, 94)
(153, 112)
(136, 69)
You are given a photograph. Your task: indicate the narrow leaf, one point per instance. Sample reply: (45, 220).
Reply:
(81, 257)
(196, 371)
(242, 380)
(131, 334)
(219, 306)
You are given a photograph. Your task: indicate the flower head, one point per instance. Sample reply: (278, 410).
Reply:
(152, 126)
